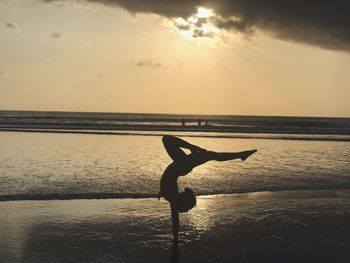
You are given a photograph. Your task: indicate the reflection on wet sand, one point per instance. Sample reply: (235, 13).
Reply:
(298, 194)
(226, 228)
(174, 257)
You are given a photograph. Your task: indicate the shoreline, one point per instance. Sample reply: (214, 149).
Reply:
(294, 136)
(277, 194)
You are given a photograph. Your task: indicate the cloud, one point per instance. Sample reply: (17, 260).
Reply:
(12, 25)
(202, 33)
(322, 23)
(148, 63)
(57, 35)
(168, 8)
(197, 26)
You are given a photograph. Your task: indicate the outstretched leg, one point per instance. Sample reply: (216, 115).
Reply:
(185, 163)
(231, 156)
(202, 157)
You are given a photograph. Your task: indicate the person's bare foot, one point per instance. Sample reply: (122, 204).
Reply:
(246, 154)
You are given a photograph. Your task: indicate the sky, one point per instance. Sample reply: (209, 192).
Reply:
(285, 58)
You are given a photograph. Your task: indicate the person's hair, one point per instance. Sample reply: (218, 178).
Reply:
(187, 200)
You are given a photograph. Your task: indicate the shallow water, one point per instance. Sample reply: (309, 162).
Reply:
(268, 227)
(34, 164)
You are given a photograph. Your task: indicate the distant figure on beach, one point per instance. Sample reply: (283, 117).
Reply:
(183, 164)
(183, 122)
(199, 122)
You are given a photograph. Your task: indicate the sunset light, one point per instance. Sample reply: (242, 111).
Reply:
(203, 12)
(199, 26)
(229, 57)
(174, 131)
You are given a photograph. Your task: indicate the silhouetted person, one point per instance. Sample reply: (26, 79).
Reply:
(199, 122)
(183, 164)
(183, 122)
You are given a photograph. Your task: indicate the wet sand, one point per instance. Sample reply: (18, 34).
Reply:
(289, 226)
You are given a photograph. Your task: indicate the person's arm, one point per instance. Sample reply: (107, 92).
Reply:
(175, 221)
(177, 142)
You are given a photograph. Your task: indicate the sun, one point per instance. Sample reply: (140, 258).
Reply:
(199, 26)
(203, 12)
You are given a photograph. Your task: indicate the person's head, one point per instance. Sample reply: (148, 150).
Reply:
(187, 200)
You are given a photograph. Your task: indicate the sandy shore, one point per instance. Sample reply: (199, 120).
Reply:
(290, 226)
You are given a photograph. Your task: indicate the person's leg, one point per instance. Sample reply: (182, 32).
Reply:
(172, 148)
(231, 156)
(202, 157)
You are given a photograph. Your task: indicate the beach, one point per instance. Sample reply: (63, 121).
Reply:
(90, 196)
(287, 226)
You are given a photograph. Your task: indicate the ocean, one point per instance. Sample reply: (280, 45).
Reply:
(203, 125)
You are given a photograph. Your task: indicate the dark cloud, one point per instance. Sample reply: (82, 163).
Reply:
(235, 24)
(12, 25)
(57, 35)
(202, 33)
(148, 63)
(184, 27)
(323, 23)
(168, 8)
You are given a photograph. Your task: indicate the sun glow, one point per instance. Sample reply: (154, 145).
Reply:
(199, 26)
(204, 12)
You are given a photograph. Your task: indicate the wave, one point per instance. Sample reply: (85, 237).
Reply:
(89, 196)
(175, 123)
(232, 135)
(189, 128)
(43, 197)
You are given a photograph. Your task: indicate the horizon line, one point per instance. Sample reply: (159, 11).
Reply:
(184, 114)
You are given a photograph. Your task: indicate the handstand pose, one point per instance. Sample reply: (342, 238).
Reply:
(183, 164)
